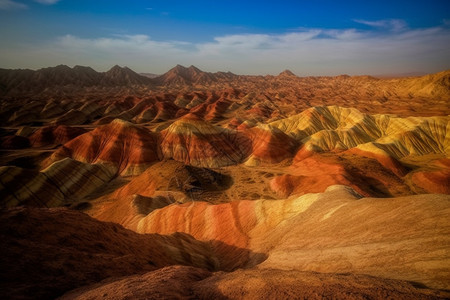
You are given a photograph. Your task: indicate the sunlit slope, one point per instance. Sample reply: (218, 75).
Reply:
(196, 142)
(122, 146)
(336, 128)
(335, 231)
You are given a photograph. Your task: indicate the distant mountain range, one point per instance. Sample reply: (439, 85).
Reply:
(25, 81)
(62, 75)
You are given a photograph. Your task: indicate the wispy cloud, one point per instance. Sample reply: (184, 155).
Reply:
(47, 2)
(11, 5)
(130, 50)
(390, 24)
(120, 43)
(307, 51)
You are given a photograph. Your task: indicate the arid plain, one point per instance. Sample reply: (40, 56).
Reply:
(193, 184)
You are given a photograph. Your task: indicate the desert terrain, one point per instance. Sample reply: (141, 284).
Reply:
(199, 185)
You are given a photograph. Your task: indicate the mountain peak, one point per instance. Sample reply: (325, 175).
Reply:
(58, 68)
(178, 67)
(117, 68)
(287, 73)
(182, 69)
(192, 67)
(123, 76)
(180, 75)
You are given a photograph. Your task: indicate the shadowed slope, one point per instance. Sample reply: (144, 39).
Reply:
(118, 76)
(64, 182)
(55, 135)
(313, 172)
(14, 142)
(269, 144)
(49, 252)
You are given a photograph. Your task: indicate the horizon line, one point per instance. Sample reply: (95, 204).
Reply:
(384, 75)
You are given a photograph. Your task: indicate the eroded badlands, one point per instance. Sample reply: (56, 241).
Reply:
(216, 185)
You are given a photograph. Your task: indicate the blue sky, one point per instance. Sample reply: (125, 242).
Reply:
(315, 37)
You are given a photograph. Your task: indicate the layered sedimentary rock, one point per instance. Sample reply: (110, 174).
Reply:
(351, 232)
(269, 144)
(433, 181)
(55, 135)
(62, 183)
(164, 183)
(388, 139)
(337, 128)
(314, 172)
(198, 143)
(124, 147)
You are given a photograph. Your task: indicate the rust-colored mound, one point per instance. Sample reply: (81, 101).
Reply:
(49, 252)
(433, 181)
(286, 185)
(164, 183)
(314, 172)
(181, 282)
(55, 135)
(215, 111)
(278, 284)
(170, 175)
(165, 110)
(175, 282)
(269, 145)
(198, 143)
(384, 159)
(126, 148)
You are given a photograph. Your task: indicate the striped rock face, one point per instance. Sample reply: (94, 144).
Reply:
(55, 135)
(318, 232)
(269, 145)
(64, 182)
(198, 143)
(124, 147)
